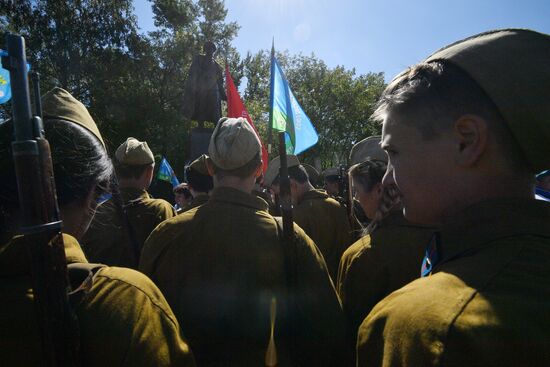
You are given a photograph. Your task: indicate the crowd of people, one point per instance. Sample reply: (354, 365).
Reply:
(440, 254)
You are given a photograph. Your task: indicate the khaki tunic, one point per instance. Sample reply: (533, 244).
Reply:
(197, 201)
(486, 303)
(108, 239)
(326, 222)
(220, 264)
(124, 320)
(377, 265)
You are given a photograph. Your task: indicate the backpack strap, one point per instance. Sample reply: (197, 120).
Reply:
(81, 279)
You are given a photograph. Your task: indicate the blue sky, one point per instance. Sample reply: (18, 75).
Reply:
(369, 35)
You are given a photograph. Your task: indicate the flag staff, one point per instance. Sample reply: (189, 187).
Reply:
(270, 127)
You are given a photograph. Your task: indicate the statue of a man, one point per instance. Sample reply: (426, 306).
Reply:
(204, 89)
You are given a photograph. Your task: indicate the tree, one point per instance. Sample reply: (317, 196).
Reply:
(337, 101)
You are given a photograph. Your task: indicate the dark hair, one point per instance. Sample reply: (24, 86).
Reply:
(182, 189)
(131, 171)
(80, 163)
(332, 179)
(242, 172)
(434, 95)
(368, 174)
(297, 173)
(199, 182)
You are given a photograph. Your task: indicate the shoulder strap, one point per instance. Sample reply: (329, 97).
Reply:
(81, 278)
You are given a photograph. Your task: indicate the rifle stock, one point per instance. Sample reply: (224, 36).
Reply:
(41, 223)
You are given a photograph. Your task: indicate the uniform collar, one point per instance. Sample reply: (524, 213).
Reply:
(131, 193)
(14, 259)
(237, 197)
(492, 220)
(315, 194)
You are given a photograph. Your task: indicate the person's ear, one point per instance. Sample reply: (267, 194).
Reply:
(471, 135)
(147, 175)
(210, 167)
(379, 188)
(259, 171)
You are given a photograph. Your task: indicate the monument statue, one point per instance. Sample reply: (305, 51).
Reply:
(204, 89)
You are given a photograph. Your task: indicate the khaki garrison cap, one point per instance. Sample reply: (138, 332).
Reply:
(368, 148)
(311, 172)
(513, 67)
(58, 104)
(275, 165)
(134, 153)
(233, 144)
(199, 165)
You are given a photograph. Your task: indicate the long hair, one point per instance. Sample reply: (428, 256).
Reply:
(80, 164)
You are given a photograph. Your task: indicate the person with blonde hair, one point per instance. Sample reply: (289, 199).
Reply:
(389, 254)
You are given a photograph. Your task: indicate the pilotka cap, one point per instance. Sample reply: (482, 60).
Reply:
(58, 104)
(199, 165)
(275, 165)
(233, 144)
(134, 153)
(512, 66)
(368, 148)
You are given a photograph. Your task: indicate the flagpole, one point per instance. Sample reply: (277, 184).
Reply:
(270, 127)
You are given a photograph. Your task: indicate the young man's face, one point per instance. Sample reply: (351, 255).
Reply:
(423, 170)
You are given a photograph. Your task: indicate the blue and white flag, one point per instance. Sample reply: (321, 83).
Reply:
(5, 89)
(286, 114)
(166, 173)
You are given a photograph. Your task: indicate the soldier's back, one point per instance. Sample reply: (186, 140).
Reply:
(123, 319)
(326, 222)
(378, 264)
(117, 232)
(220, 264)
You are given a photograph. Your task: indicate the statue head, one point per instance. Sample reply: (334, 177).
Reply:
(209, 48)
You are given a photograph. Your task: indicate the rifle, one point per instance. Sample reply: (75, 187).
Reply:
(284, 192)
(40, 223)
(290, 256)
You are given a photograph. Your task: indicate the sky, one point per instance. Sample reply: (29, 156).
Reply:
(369, 35)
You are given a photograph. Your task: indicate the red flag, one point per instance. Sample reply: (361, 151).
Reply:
(235, 108)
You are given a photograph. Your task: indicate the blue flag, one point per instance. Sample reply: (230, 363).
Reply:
(166, 173)
(286, 114)
(5, 90)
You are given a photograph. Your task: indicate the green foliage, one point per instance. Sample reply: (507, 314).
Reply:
(338, 102)
(133, 83)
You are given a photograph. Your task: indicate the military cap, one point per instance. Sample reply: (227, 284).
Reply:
(311, 172)
(233, 143)
(368, 148)
(333, 171)
(134, 153)
(199, 165)
(275, 165)
(58, 104)
(512, 66)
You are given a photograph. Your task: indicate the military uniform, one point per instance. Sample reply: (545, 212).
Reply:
(115, 238)
(197, 201)
(326, 222)
(378, 264)
(485, 303)
(124, 320)
(220, 264)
